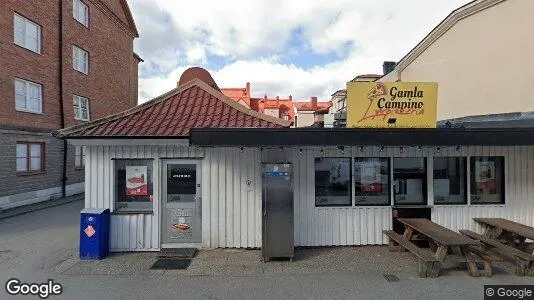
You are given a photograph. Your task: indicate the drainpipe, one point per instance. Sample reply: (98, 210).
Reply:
(62, 109)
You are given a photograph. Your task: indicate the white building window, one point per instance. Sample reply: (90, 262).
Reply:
(79, 157)
(30, 157)
(28, 96)
(81, 108)
(80, 12)
(27, 34)
(80, 60)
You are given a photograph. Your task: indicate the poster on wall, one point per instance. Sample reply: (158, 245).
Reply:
(370, 179)
(136, 181)
(485, 175)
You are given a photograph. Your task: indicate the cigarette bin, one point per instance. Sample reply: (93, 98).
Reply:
(94, 233)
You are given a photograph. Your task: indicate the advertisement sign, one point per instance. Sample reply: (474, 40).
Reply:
(392, 104)
(136, 181)
(485, 175)
(370, 177)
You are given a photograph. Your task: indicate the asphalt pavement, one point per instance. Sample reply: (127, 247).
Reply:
(35, 246)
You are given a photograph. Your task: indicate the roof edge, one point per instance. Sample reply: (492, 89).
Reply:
(62, 133)
(444, 26)
(129, 17)
(69, 130)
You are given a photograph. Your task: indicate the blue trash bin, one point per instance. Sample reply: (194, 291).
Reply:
(94, 233)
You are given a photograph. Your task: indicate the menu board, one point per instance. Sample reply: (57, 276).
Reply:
(485, 175)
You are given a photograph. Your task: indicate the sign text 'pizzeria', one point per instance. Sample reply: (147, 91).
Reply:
(392, 104)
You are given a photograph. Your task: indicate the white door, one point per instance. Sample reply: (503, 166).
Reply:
(181, 202)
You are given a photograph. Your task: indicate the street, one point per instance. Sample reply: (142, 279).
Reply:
(34, 246)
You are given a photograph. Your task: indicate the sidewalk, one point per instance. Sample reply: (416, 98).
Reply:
(8, 213)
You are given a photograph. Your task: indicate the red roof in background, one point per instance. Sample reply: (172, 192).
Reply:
(237, 94)
(191, 105)
(307, 106)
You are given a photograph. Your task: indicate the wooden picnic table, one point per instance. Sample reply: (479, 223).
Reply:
(441, 240)
(512, 232)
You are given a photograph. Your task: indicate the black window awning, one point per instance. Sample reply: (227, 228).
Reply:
(357, 136)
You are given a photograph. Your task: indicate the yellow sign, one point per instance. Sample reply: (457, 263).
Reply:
(392, 104)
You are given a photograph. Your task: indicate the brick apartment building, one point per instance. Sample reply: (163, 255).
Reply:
(299, 113)
(63, 62)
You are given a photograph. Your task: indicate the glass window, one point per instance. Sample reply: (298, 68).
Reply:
(332, 181)
(450, 180)
(26, 33)
(133, 185)
(28, 96)
(30, 157)
(371, 181)
(79, 157)
(409, 174)
(487, 180)
(80, 12)
(81, 108)
(80, 60)
(22, 157)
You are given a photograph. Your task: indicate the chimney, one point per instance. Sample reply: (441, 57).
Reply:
(248, 88)
(388, 66)
(290, 98)
(314, 102)
(277, 98)
(265, 97)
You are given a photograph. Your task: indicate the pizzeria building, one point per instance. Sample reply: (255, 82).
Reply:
(185, 170)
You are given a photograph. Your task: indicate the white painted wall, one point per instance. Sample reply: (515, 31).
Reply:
(231, 215)
(483, 64)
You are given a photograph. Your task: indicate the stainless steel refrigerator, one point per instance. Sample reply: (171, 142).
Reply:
(277, 205)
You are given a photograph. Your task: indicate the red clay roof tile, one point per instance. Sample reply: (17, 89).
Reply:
(191, 105)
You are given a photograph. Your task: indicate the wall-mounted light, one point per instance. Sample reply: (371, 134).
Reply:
(419, 148)
(382, 149)
(342, 148)
(261, 149)
(438, 150)
(322, 151)
(361, 148)
(401, 149)
(241, 149)
(457, 148)
(300, 151)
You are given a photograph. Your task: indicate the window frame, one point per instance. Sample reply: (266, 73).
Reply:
(27, 84)
(28, 157)
(76, 12)
(389, 180)
(80, 166)
(75, 60)
(424, 182)
(472, 162)
(150, 164)
(351, 179)
(467, 172)
(38, 35)
(77, 99)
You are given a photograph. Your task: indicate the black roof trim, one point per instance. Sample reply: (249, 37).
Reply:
(351, 136)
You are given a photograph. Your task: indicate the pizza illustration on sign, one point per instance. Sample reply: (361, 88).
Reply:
(181, 227)
(136, 181)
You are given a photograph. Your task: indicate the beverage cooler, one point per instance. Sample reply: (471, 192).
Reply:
(277, 209)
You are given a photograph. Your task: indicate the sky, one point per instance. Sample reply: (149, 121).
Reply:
(290, 47)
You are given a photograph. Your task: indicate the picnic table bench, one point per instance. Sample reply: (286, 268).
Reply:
(441, 241)
(514, 236)
(514, 233)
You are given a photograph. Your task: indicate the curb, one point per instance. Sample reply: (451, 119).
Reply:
(12, 212)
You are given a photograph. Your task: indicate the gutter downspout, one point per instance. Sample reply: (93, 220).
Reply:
(62, 109)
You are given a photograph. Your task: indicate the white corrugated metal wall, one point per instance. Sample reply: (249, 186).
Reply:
(231, 215)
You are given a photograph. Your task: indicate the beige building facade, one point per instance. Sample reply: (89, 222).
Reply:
(481, 55)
